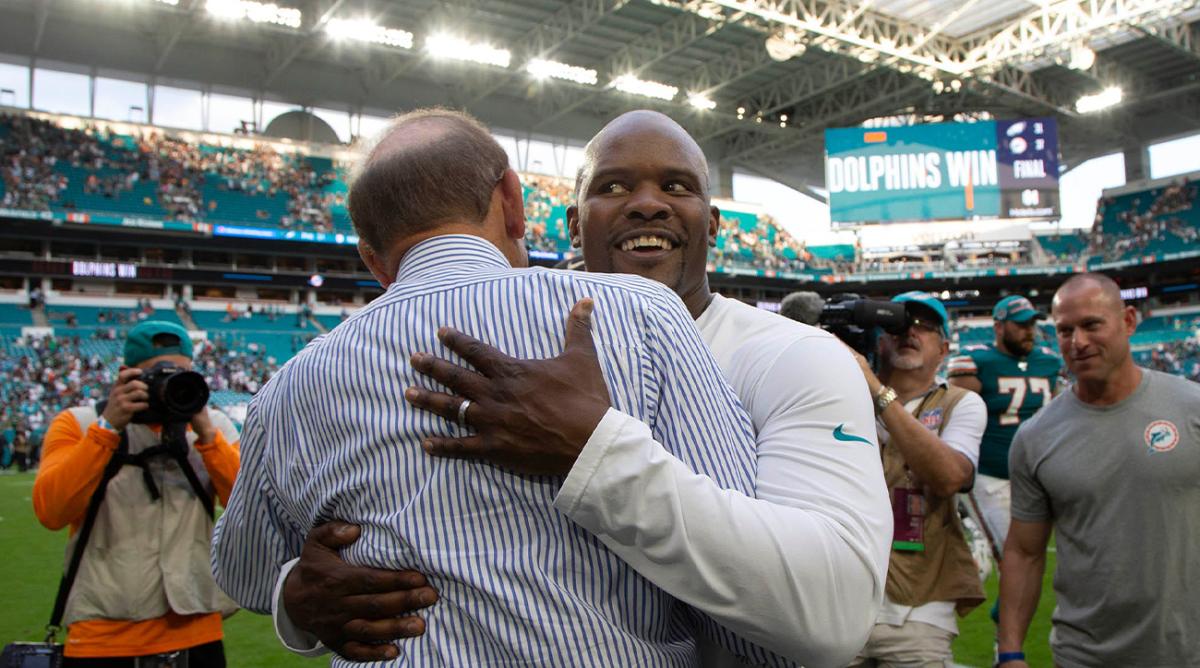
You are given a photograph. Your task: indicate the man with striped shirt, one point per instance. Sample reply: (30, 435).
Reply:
(441, 219)
(797, 570)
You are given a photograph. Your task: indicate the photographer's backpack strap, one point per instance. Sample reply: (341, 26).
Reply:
(114, 465)
(171, 447)
(175, 446)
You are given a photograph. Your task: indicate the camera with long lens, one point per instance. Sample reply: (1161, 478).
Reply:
(176, 394)
(856, 321)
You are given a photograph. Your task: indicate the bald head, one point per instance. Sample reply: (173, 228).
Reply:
(416, 131)
(426, 168)
(634, 125)
(1102, 289)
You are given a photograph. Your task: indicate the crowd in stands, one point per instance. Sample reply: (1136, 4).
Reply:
(31, 152)
(45, 376)
(42, 376)
(33, 148)
(1181, 358)
(766, 246)
(1147, 225)
(545, 200)
(191, 180)
(233, 364)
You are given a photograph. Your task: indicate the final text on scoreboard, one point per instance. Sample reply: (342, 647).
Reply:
(942, 171)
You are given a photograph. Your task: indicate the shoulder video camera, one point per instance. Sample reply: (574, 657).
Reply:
(855, 320)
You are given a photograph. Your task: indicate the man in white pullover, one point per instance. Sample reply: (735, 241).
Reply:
(797, 571)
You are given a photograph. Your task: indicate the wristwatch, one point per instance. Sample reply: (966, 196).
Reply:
(883, 398)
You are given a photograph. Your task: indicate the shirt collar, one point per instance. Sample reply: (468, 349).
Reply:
(458, 251)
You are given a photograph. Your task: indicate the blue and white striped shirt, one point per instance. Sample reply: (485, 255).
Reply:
(330, 436)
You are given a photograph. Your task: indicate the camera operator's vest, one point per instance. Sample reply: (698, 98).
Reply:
(147, 557)
(945, 570)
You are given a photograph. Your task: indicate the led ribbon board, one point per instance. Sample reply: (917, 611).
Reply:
(943, 171)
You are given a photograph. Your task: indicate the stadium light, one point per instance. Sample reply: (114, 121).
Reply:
(634, 86)
(542, 68)
(701, 101)
(255, 12)
(784, 46)
(365, 30)
(172, 3)
(1082, 58)
(442, 45)
(1106, 98)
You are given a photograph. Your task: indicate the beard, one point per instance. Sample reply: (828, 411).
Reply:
(906, 360)
(1018, 347)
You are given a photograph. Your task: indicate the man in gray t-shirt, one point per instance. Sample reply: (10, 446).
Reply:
(1114, 466)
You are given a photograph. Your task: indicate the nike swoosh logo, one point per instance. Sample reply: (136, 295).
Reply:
(840, 435)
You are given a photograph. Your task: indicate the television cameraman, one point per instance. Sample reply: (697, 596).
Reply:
(143, 594)
(929, 435)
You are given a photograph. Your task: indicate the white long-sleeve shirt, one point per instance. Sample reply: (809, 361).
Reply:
(800, 569)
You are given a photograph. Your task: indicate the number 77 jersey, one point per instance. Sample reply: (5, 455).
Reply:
(1013, 389)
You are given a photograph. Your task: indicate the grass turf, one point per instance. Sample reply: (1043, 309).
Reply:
(977, 633)
(33, 559)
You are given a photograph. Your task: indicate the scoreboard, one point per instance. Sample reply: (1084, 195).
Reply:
(943, 171)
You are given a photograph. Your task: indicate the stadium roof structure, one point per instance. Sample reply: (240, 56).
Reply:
(776, 73)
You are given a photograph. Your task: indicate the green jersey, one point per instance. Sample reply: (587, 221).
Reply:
(1013, 389)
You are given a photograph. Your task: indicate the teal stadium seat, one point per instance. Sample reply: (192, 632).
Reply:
(241, 208)
(12, 318)
(1064, 247)
(329, 321)
(15, 314)
(279, 339)
(833, 252)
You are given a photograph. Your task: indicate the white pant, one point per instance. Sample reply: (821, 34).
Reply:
(991, 502)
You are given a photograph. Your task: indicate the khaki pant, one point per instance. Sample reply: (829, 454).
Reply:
(914, 645)
(992, 499)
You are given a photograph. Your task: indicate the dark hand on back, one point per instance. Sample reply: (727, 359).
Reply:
(530, 416)
(354, 610)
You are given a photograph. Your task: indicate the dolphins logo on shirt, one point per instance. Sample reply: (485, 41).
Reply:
(1161, 436)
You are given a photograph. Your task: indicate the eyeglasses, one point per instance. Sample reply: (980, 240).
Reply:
(929, 326)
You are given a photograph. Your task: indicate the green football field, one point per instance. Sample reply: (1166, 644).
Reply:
(33, 557)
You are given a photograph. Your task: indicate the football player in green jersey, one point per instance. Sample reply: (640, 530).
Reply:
(1015, 377)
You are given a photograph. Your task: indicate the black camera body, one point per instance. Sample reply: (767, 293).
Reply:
(176, 394)
(855, 320)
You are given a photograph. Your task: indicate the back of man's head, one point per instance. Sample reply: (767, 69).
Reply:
(802, 307)
(426, 168)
